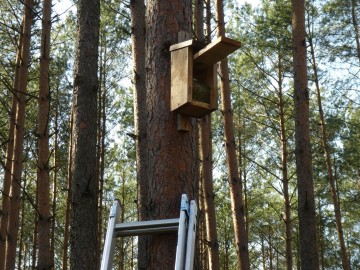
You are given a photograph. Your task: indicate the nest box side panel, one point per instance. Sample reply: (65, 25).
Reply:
(208, 77)
(181, 77)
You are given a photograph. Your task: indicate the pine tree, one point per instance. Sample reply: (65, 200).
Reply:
(306, 201)
(84, 193)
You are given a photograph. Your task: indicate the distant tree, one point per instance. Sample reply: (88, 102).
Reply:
(84, 193)
(16, 172)
(8, 158)
(236, 192)
(138, 38)
(206, 166)
(325, 145)
(43, 183)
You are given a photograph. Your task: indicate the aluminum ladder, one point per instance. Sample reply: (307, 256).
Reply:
(185, 225)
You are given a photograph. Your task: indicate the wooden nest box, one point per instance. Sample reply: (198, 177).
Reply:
(193, 75)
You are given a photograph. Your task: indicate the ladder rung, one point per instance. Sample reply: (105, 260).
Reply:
(146, 227)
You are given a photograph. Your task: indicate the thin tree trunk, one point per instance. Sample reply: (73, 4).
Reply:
(9, 158)
(121, 242)
(13, 222)
(206, 158)
(263, 255)
(237, 206)
(137, 9)
(306, 202)
(54, 191)
(172, 155)
(25, 256)
(43, 143)
(242, 166)
(202, 228)
(321, 238)
(207, 179)
(270, 249)
(132, 253)
(21, 238)
(68, 202)
(356, 27)
(284, 167)
(100, 123)
(227, 246)
(101, 145)
(337, 209)
(34, 236)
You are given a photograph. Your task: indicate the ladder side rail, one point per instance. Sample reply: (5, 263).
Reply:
(182, 235)
(109, 245)
(191, 236)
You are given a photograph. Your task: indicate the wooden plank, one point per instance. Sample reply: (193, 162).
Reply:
(181, 77)
(183, 122)
(180, 45)
(215, 52)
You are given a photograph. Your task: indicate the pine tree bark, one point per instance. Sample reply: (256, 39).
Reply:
(172, 155)
(237, 205)
(306, 201)
(334, 196)
(137, 9)
(9, 158)
(43, 183)
(84, 195)
(15, 192)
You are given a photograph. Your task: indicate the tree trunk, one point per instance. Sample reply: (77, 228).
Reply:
(34, 235)
(242, 168)
(355, 23)
(43, 183)
(270, 248)
(207, 178)
(68, 202)
(206, 159)
(172, 158)
(137, 9)
(306, 202)
(101, 130)
(237, 206)
(9, 158)
(13, 223)
(284, 168)
(21, 240)
(54, 199)
(84, 195)
(336, 203)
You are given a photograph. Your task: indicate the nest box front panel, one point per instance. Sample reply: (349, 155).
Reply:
(181, 77)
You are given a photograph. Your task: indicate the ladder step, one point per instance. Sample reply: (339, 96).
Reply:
(146, 227)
